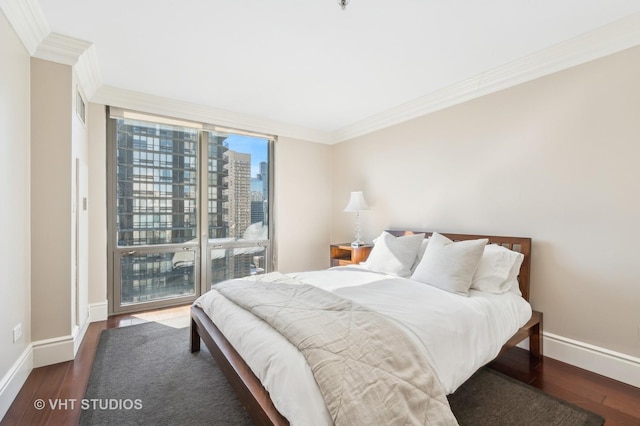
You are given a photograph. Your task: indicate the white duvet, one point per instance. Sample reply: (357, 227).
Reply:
(457, 334)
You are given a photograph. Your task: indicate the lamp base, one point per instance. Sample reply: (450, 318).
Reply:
(357, 243)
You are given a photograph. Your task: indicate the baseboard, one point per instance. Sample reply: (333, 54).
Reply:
(59, 349)
(12, 382)
(98, 311)
(78, 334)
(618, 366)
(38, 354)
(53, 351)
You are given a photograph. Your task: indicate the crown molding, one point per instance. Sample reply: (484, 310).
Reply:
(28, 21)
(108, 95)
(88, 71)
(61, 49)
(32, 28)
(606, 40)
(74, 52)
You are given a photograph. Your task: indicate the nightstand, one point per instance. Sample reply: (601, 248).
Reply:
(344, 254)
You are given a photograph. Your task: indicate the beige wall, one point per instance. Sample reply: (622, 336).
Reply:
(555, 159)
(59, 222)
(15, 293)
(59, 176)
(40, 139)
(303, 204)
(97, 205)
(51, 202)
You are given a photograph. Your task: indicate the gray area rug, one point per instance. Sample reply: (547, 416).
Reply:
(491, 398)
(145, 374)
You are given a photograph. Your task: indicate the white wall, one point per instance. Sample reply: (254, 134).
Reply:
(555, 159)
(15, 290)
(80, 209)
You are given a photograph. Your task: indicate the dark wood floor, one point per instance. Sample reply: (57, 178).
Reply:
(618, 403)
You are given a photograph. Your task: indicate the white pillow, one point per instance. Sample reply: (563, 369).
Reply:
(498, 269)
(421, 250)
(394, 255)
(514, 287)
(449, 265)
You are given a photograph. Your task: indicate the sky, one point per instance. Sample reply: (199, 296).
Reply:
(257, 147)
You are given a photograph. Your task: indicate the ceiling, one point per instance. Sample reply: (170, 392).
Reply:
(310, 65)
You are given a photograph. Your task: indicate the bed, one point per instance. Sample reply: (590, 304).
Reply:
(257, 399)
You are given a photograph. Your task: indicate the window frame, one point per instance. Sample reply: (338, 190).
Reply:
(203, 245)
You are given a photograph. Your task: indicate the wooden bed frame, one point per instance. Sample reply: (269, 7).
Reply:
(256, 399)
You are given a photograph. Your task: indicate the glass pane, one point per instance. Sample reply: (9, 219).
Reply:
(238, 187)
(156, 183)
(150, 277)
(237, 262)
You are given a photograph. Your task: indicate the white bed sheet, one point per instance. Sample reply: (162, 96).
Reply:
(457, 334)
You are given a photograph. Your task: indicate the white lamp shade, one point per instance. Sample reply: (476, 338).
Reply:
(356, 202)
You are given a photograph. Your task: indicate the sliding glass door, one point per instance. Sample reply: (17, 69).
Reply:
(188, 207)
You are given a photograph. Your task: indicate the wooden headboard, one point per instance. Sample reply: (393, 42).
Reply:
(519, 244)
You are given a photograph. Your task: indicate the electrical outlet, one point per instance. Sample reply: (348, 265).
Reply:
(17, 332)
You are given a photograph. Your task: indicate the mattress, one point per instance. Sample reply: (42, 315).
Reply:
(457, 334)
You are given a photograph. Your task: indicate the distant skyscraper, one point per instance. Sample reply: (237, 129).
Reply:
(239, 190)
(238, 210)
(257, 211)
(264, 177)
(256, 189)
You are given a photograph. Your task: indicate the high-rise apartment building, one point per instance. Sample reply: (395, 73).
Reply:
(217, 184)
(156, 196)
(238, 210)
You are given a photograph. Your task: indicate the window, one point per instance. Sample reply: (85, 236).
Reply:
(189, 206)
